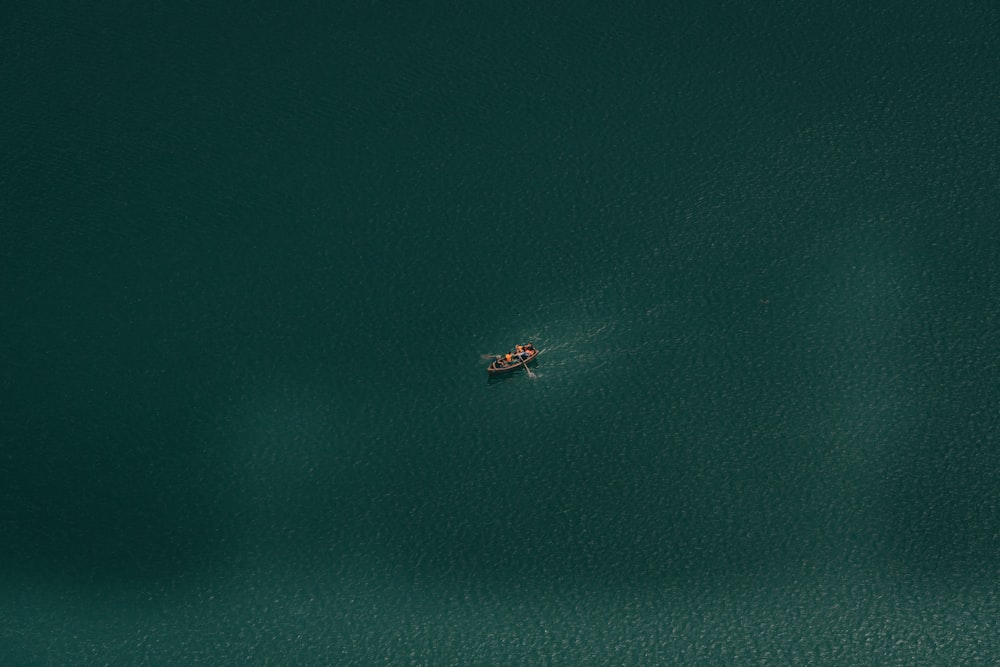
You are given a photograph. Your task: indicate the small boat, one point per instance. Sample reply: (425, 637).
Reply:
(522, 355)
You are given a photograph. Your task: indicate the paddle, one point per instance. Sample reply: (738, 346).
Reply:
(530, 374)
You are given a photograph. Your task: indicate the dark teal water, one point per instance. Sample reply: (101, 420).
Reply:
(251, 258)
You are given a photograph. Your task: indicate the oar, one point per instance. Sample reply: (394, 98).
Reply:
(530, 374)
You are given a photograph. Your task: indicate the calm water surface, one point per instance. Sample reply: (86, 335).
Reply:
(253, 258)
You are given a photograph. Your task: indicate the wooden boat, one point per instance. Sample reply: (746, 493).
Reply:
(517, 360)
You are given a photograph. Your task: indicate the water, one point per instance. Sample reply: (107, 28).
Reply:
(252, 259)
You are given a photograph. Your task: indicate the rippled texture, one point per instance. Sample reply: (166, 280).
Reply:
(252, 260)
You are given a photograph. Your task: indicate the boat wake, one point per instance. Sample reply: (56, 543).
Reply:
(588, 349)
(577, 347)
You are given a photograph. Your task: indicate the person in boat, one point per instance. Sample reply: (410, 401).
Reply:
(499, 362)
(508, 357)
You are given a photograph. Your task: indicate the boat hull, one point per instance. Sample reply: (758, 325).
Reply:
(512, 366)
